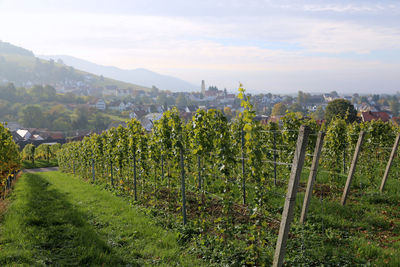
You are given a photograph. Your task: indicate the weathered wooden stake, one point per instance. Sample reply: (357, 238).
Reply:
(134, 176)
(389, 164)
(243, 171)
(93, 171)
(199, 170)
(112, 173)
(162, 168)
(274, 147)
(352, 168)
(344, 158)
(288, 209)
(183, 188)
(312, 176)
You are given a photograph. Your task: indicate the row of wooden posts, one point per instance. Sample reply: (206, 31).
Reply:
(297, 166)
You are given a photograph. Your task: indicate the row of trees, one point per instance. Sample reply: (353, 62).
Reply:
(43, 151)
(337, 107)
(59, 118)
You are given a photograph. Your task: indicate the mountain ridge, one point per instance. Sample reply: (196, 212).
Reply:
(21, 67)
(141, 76)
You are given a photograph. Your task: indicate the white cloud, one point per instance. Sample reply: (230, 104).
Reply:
(195, 48)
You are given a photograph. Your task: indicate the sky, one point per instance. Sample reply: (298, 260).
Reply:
(269, 46)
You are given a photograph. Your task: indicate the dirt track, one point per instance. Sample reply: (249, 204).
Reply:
(48, 169)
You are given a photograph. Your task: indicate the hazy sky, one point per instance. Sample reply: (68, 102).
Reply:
(270, 46)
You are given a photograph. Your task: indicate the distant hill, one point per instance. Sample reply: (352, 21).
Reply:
(136, 76)
(21, 67)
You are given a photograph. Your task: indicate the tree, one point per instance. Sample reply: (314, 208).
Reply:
(28, 153)
(8, 92)
(302, 98)
(32, 116)
(394, 107)
(318, 114)
(340, 108)
(181, 100)
(296, 107)
(81, 121)
(279, 109)
(228, 112)
(334, 94)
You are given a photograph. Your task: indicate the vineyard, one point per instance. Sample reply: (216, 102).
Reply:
(223, 184)
(9, 159)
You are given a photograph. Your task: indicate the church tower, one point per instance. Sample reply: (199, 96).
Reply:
(203, 87)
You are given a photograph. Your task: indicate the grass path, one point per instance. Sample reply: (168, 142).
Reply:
(55, 219)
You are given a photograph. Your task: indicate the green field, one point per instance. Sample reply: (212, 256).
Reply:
(56, 219)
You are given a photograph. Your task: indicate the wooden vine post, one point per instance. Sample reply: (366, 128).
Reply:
(183, 187)
(112, 173)
(199, 171)
(275, 156)
(134, 176)
(352, 168)
(93, 171)
(312, 176)
(288, 209)
(243, 170)
(389, 164)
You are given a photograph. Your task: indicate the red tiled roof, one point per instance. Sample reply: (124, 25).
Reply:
(377, 115)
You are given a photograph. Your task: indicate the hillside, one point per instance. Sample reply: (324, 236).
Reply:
(21, 67)
(136, 76)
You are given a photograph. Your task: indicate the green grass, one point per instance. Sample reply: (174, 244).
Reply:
(56, 219)
(39, 163)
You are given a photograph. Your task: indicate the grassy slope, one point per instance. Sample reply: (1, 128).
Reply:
(59, 220)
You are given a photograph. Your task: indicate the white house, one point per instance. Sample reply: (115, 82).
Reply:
(100, 104)
(148, 120)
(25, 134)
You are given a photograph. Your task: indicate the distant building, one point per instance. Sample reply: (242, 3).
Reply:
(148, 120)
(24, 134)
(203, 87)
(371, 115)
(100, 104)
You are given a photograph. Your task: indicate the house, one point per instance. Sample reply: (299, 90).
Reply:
(117, 105)
(191, 109)
(36, 137)
(364, 107)
(148, 120)
(263, 119)
(100, 104)
(378, 115)
(122, 92)
(137, 114)
(24, 134)
(276, 119)
(16, 137)
(97, 103)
